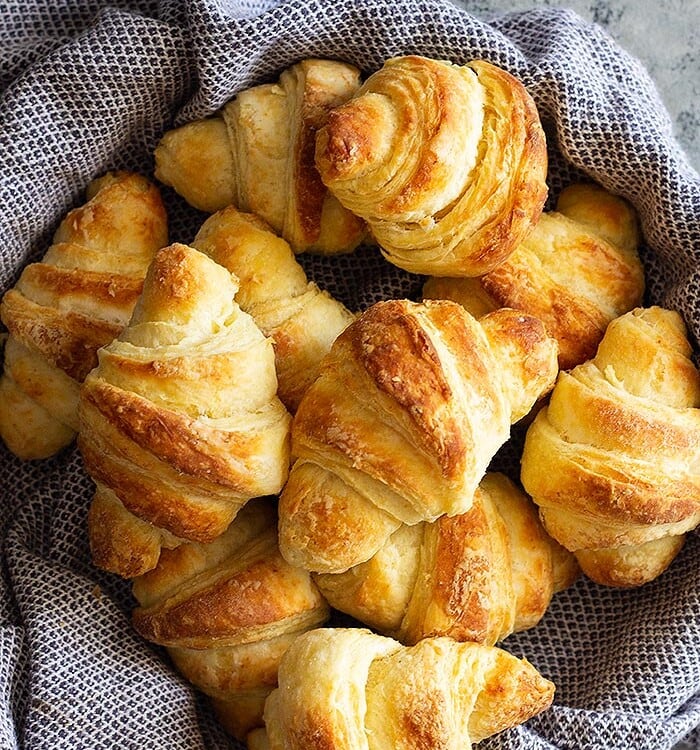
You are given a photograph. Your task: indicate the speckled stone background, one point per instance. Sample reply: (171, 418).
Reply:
(663, 34)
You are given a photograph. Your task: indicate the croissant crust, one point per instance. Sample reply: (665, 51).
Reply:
(75, 300)
(180, 421)
(611, 461)
(446, 163)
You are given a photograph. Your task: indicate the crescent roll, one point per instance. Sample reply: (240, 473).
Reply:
(65, 307)
(301, 320)
(227, 611)
(446, 163)
(577, 270)
(257, 153)
(180, 424)
(411, 403)
(613, 459)
(477, 576)
(349, 689)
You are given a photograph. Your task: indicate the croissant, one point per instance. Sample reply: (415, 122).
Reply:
(577, 270)
(64, 308)
(227, 611)
(258, 154)
(302, 320)
(478, 576)
(348, 688)
(180, 424)
(410, 405)
(613, 459)
(446, 163)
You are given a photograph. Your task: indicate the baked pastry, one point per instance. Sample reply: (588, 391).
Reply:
(577, 270)
(65, 307)
(302, 320)
(411, 403)
(257, 739)
(446, 163)
(613, 459)
(257, 153)
(227, 611)
(350, 689)
(180, 422)
(478, 576)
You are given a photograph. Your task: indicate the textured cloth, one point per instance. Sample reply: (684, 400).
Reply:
(90, 86)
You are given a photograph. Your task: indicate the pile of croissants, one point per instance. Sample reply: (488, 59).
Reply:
(263, 456)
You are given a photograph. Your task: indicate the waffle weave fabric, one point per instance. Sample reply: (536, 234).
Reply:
(91, 85)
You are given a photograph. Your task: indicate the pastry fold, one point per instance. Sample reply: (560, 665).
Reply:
(301, 319)
(411, 403)
(477, 576)
(613, 459)
(227, 611)
(351, 689)
(577, 270)
(446, 163)
(75, 300)
(257, 153)
(180, 424)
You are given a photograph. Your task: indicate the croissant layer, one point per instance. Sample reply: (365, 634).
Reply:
(476, 576)
(576, 271)
(611, 461)
(258, 154)
(301, 320)
(446, 163)
(411, 403)
(349, 688)
(75, 300)
(227, 612)
(180, 420)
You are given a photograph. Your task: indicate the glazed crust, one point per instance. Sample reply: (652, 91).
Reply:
(611, 461)
(446, 163)
(258, 154)
(227, 612)
(75, 300)
(301, 320)
(180, 419)
(577, 270)
(411, 403)
(349, 688)
(477, 576)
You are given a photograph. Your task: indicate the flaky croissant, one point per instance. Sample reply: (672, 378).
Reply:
(180, 423)
(477, 576)
(411, 403)
(301, 320)
(446, 163)
(577, 270)
(613, 459)
(64, 308)
(258, 154)
(227, 611)
(348, 689)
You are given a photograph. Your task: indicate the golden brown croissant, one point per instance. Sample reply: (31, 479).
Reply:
(446, 163)
(576, 271)
(302, 320)
(350, 689)
(411, 403)
(613, 460)
(477, 576)
(180, 424)
(64, 308)
(227, 611)
(258, 154)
